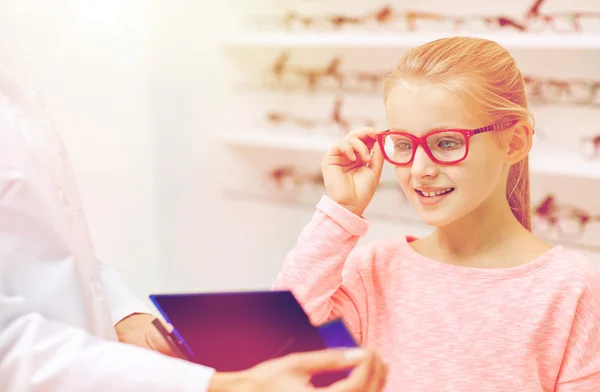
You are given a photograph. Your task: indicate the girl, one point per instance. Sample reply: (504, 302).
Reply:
(480, 304)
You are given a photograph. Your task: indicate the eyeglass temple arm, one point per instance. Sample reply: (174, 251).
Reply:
(494, 127)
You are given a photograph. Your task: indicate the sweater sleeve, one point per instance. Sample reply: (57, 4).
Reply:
(321, 269)
(580, 370)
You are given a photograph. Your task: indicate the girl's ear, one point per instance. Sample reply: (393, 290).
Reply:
(519, 140)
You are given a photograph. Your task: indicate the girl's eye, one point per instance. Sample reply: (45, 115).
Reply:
(403, 146)
(447, 144)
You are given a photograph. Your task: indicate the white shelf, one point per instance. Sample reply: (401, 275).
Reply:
(570, 166)
(543, 164)
(387, 40)
(280, 141)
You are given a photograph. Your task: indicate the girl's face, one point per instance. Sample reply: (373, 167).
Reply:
(473, 184)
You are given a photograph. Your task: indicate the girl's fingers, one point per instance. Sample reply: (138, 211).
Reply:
(360, 147)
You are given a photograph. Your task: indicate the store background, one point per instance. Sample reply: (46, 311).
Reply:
(163, 108)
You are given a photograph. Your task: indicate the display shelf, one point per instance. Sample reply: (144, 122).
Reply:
(396, 40)
(281, 140)
(542, 163)
(372, 215)
(549, 163)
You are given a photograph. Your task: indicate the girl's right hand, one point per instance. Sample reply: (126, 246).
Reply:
(352, 170)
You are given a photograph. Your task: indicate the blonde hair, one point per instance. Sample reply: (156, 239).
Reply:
(485, 75)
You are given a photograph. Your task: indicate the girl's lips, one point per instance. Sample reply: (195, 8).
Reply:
(431, 200)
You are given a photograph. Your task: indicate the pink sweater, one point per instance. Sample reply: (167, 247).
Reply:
(443, 327)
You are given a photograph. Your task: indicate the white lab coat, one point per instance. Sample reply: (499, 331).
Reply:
(58, 305)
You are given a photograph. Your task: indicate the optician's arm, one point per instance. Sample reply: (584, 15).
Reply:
(121, 301)
(43, 311)
(40, 354)
(131, 317)
(37, 354)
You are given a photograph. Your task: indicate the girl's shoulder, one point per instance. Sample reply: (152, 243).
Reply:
(381, 251)
(573, 268)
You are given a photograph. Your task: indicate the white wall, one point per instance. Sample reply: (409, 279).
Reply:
(90, 59)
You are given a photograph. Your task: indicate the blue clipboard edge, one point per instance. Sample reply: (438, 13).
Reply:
(174, 338)
(344, 338)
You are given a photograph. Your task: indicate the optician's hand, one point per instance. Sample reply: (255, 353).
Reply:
(293, 373)
(137, 329)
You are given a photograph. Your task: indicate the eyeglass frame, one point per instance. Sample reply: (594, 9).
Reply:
(550, 212)
(421, 141)
(583, 219)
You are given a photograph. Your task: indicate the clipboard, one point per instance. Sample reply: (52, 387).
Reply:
(233, 331)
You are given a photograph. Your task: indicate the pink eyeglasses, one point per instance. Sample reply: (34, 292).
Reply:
(444, 146)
